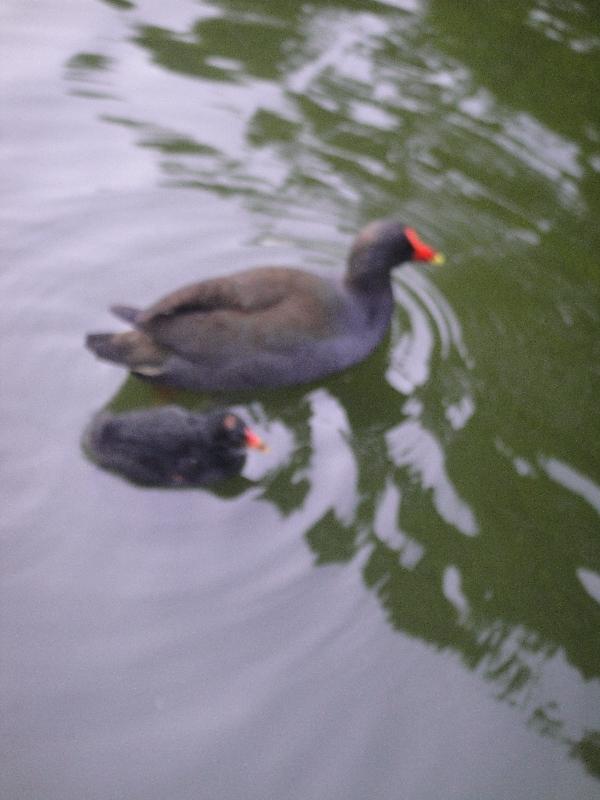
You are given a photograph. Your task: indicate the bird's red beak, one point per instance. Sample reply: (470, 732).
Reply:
(254, 441)
(422, 251)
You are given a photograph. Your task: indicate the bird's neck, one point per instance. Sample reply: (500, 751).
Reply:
(374, 297)
(369, 282)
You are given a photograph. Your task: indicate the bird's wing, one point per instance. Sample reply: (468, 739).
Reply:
(267, 309)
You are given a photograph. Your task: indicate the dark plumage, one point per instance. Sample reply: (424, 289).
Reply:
(269, 326)
(169, 446)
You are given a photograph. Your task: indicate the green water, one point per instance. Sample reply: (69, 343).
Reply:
(402, 598)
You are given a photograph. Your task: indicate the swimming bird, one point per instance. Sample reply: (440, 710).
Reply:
(169, 446)
(267, 326)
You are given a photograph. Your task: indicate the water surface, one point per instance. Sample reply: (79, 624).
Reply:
(402, 598)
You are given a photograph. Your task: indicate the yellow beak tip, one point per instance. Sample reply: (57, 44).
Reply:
(438, 259)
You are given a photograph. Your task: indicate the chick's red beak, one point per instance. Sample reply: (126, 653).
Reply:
(254, 441)
(422, 251)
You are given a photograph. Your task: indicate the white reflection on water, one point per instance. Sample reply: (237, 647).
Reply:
(431, 318)
(458, 414)
(431, 331)
(411, 355)
(452, 588)
(572, 480)
(541, 149)
(386, 528)
(547, 19)
(531, 673)
(411, 445)
(341, 41)
(410, 6)
(590, 582)
(522, 467)
(333, 472)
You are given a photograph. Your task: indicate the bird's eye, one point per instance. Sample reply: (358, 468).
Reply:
(229, 422)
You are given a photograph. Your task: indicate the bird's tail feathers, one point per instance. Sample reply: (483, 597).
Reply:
(132, 349)
(126, 313)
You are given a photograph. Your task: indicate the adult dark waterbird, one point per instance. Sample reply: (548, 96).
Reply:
(169, 446)
(269, 326)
